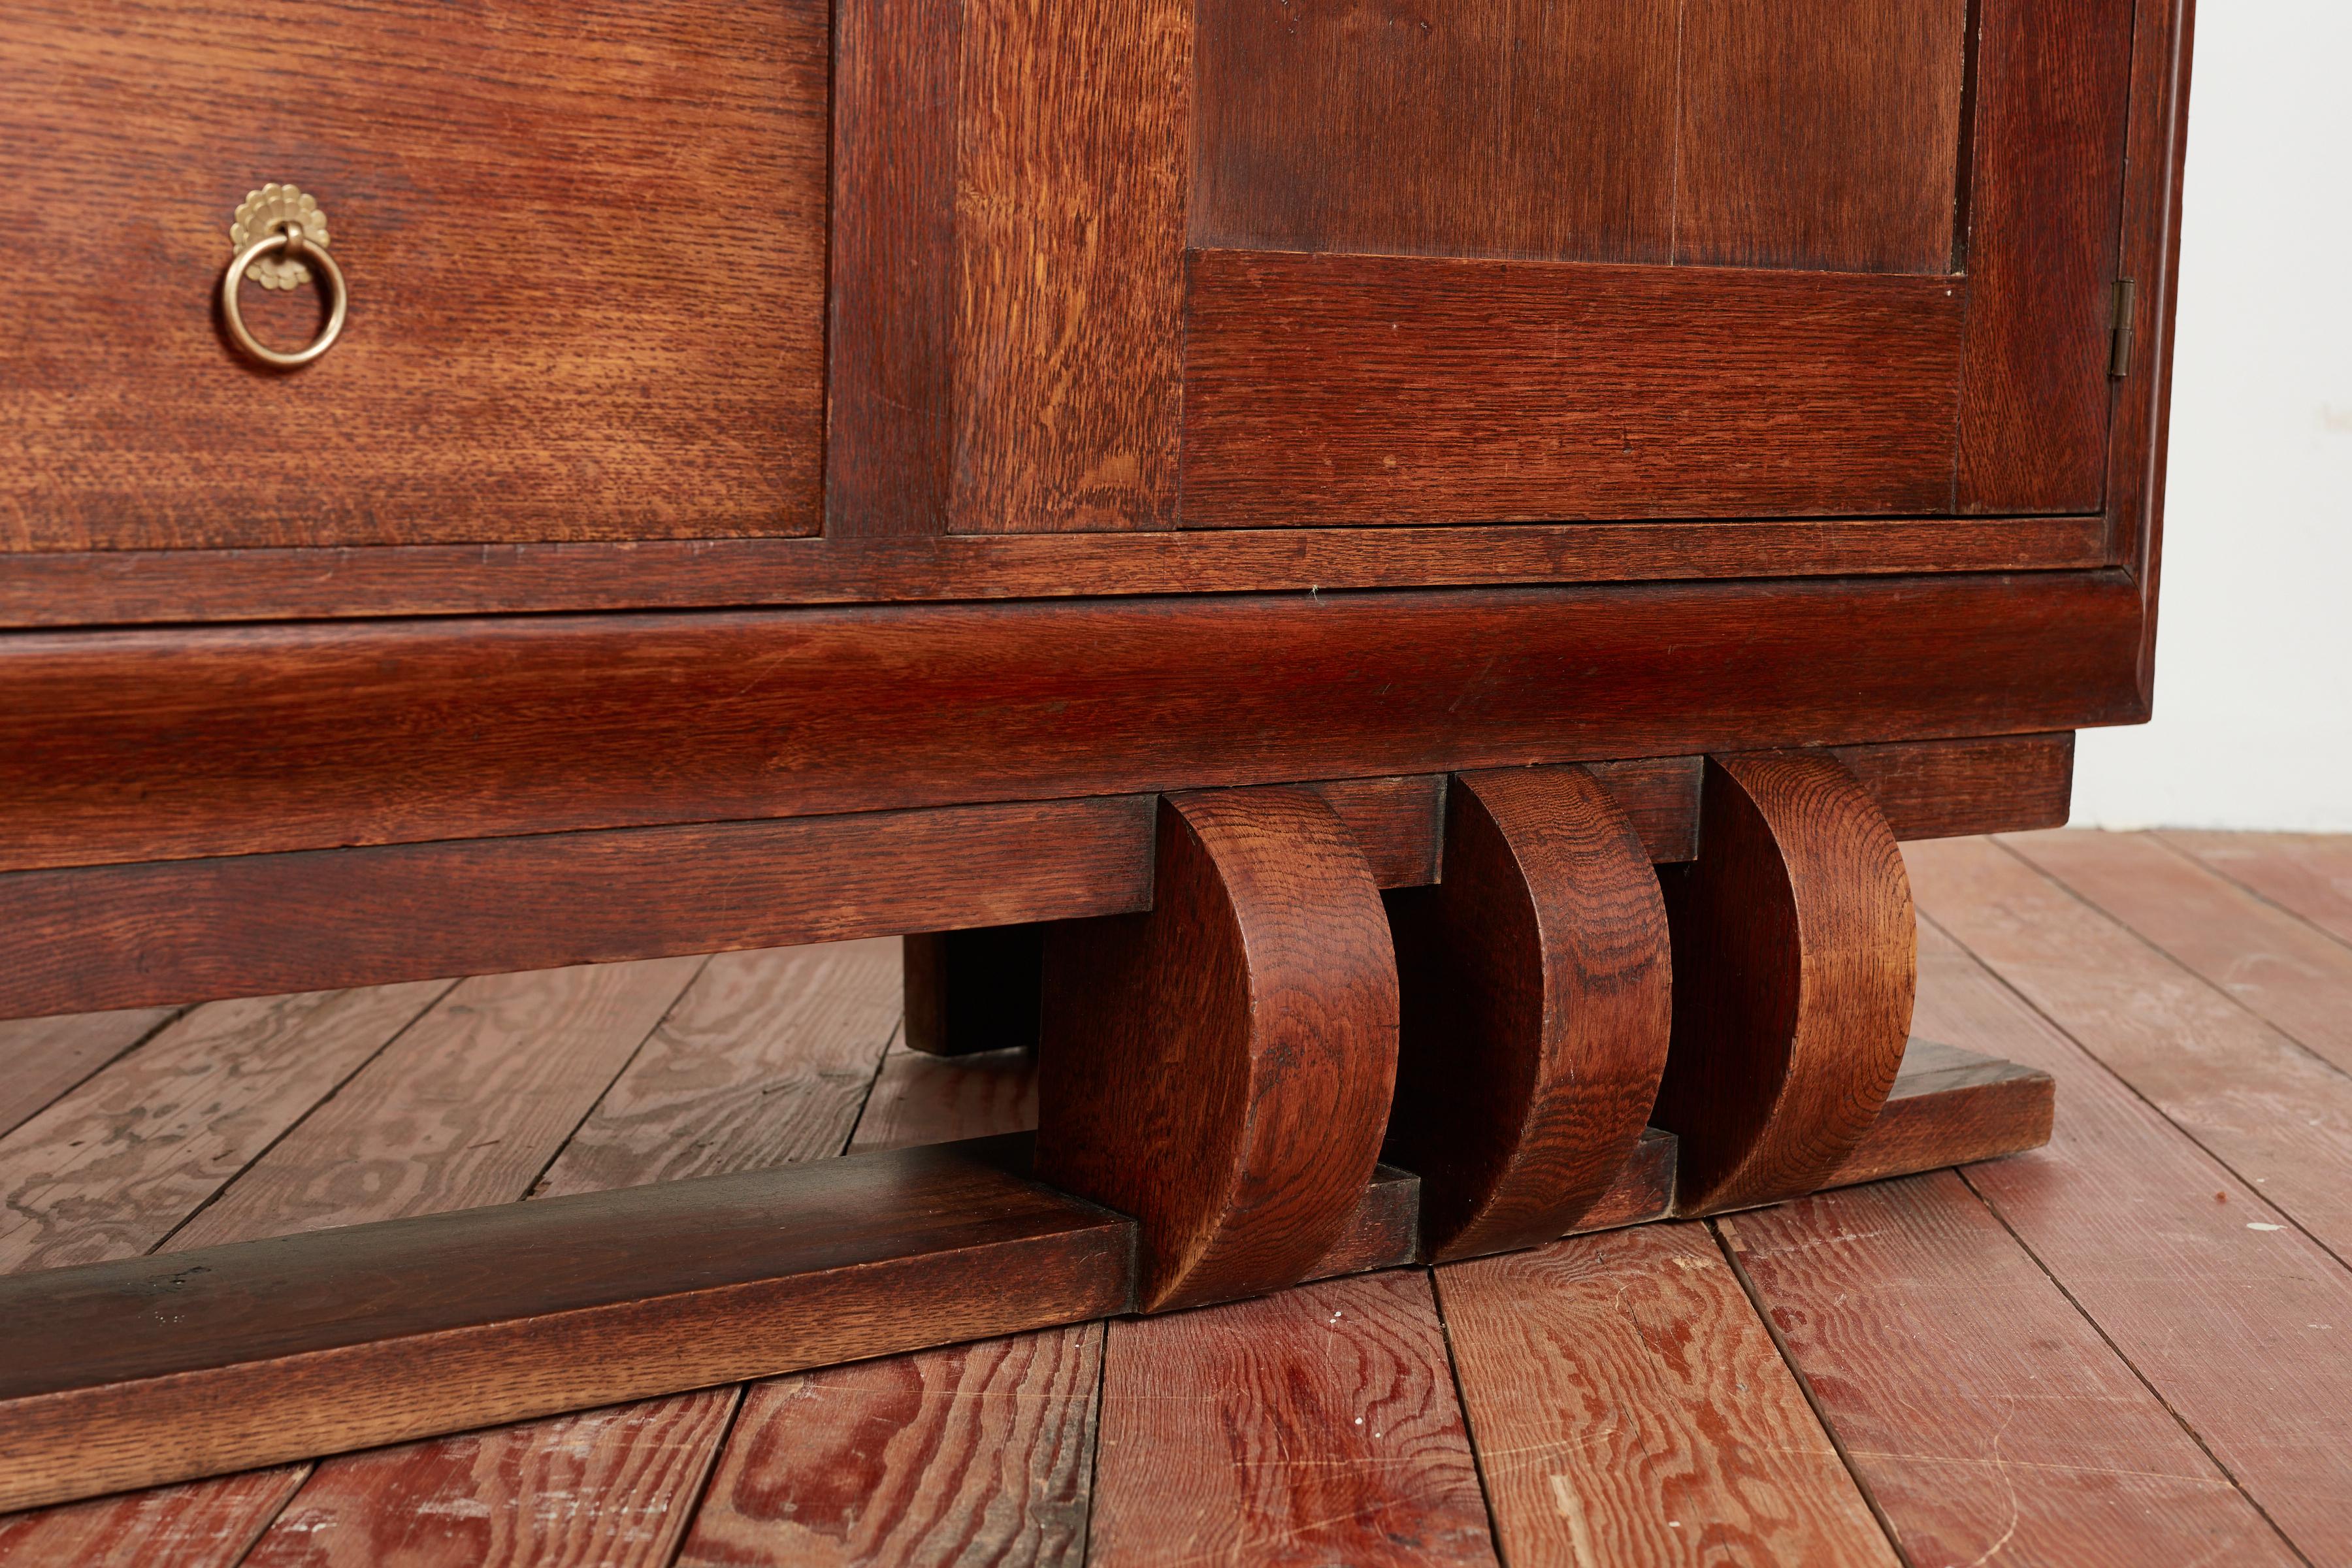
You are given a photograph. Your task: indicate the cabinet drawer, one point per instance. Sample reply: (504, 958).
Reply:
(584, 248)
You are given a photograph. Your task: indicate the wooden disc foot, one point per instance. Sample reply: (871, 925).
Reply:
(1537, 990)
(1795, 958)
(1220, 1067)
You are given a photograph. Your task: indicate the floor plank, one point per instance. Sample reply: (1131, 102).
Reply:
(1630, 1406)
(109, 1170)
(2234, 1318)
(41, 1058)
(205, 1524)
(1318, 1425)
(763, 1061)
(2268, 1108)
(2307, 874)
(924, 1099)
(1986, 1415)
(2278, 967)
(980, 1453)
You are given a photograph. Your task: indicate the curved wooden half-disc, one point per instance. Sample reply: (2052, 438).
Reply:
(1795, 959)
(1537, 997)
(1220, 1067)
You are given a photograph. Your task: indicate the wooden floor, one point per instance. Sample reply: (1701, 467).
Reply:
(2134, 1347)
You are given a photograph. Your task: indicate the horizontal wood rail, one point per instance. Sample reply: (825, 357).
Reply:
(181, 930)
(159, 1369)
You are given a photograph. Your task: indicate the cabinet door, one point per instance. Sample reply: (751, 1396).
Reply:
(1270, 263)
(583, 246)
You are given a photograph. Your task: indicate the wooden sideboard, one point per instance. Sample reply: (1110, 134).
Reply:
(1378, 581)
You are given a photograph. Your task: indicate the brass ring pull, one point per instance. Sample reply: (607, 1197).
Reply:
(291, 239)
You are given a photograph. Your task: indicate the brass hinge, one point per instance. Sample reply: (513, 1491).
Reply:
(2120, 354)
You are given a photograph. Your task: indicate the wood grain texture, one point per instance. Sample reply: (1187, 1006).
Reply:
(1220, 1067)
(1349, 389)
(614, 1487)
(2044, 209)
(467, 1106)
(1951, 1107)
(44, 1058)
(890, 301)
(368, 1334)
(981, 1453)
(2242, 1336)
(1398, 824)
(207, 1524)
(1629, 1407)
(2039, 1445)
(919, 1098)
(1947, 789)
(1794, 958)
(144, 745)
(2294, 978)
(2261, 1104)
(131, 586)
(2308, 875)
(1536, 987)
(1480, 128)
(184, 930)
(1644, 1189)
(1820, 135)
(1072, 123)
(602, 389)
(1315, 1425)
(975, 990)
(113, 1167)
(1659, 795)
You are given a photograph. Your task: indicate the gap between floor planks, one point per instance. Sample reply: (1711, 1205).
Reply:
(751, 1478)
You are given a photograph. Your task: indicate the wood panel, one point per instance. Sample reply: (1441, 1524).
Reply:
(2277, 967)
(2307, 874)
(2038, 1444)
(531, 354)
(186, 930)
(1538, 991)
(1222, 1066)
(2227, 1338)
(131, 586)
(1480, 128)
(1948, 789)
(47, 1056)
(1820, 135)
(118, 746)
(1629, 1407)
(1643, 1190)
(1562, 391)
(209, 1525)
(1319, 1425)
(2044, 211)
(1951, 1107)
(1072, 121)
(1793, 963)
(376, 1333)
(2261, 1104)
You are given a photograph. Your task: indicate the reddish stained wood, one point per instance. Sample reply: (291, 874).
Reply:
(2040, 1443)
(2044, 210)
(1630, 1407)
(206, 1524)
(1950, 1107)
(1571, 391)
(47, 1056)
(2243, 1337)
(2307, 874)
(600, 390)
(1315, 1425)
(1793, 962)
(978, 1453)
(1818, 135)
(2262, 1105)
(2270, 963)
(130, 586)
(467, 1106)
(1537, 989)
(163, 744)
(1072, 124)
(1947, 789)
(1221, 1067)
(1644, 1189)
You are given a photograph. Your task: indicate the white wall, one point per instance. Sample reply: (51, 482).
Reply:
(2254, 672)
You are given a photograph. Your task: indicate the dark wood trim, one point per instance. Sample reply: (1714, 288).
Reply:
(132, 588)
(193, 1364)
(125, 746)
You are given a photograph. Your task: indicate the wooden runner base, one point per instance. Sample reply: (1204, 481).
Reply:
(168, 1368)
